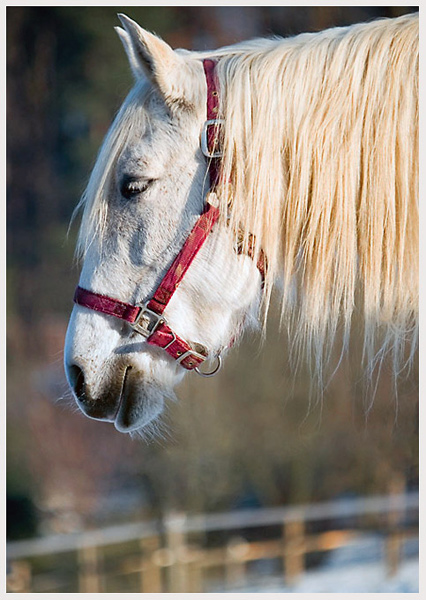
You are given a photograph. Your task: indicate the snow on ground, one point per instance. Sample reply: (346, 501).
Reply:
(358, 567)
(365, 577)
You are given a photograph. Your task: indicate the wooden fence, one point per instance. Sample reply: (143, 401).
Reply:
(178, 554)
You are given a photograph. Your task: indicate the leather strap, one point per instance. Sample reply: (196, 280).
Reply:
(213, 130)
(183, 260)
(105, 304)
(189, 356)
(163, 336)
(213, 144)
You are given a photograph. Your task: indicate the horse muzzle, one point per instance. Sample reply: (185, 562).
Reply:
(128, 400)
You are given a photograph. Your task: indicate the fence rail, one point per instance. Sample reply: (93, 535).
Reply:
(168, 559)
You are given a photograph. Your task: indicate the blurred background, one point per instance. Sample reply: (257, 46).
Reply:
(246, 442)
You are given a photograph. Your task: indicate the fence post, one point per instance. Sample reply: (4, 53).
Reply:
(195, 577)
(294, 549)
(88, 575)
(19, 578)
(175, 539)
(150, 570)
(396, 513)
(236, 552)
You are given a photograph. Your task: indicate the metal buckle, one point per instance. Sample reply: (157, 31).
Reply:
(147, 321)
(204, 138)
(190, 353)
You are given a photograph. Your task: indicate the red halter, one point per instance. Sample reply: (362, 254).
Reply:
(148, 320)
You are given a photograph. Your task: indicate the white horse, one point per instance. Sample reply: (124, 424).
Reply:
(318, 173)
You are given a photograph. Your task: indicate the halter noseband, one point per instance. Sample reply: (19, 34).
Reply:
(148, 320)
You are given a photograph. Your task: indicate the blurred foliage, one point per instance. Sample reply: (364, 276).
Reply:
(21, 517)
(248, 437)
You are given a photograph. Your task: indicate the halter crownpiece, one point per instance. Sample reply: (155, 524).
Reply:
(148, 320)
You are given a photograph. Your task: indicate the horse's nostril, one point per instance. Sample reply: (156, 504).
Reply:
(101, 405)
(76, 378)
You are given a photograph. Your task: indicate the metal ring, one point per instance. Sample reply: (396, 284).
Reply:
(215, 370)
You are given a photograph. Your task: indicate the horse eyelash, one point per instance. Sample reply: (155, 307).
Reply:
(133, 187)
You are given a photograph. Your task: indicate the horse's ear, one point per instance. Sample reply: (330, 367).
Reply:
(135, 65)
(150, 56)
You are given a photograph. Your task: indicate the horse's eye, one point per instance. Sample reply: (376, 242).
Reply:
(130, 188)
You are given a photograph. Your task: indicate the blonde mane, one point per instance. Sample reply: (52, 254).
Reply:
(321, 165)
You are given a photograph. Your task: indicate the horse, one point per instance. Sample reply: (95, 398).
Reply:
(273, 164)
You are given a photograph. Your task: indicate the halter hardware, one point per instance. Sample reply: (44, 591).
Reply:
(191, 353)
(147, 321)
(218, 359)
(209, 140)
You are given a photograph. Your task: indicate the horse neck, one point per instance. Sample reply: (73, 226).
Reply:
(303, 121)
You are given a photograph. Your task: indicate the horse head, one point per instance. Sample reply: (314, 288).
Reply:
(317, 171)
(147, 190)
